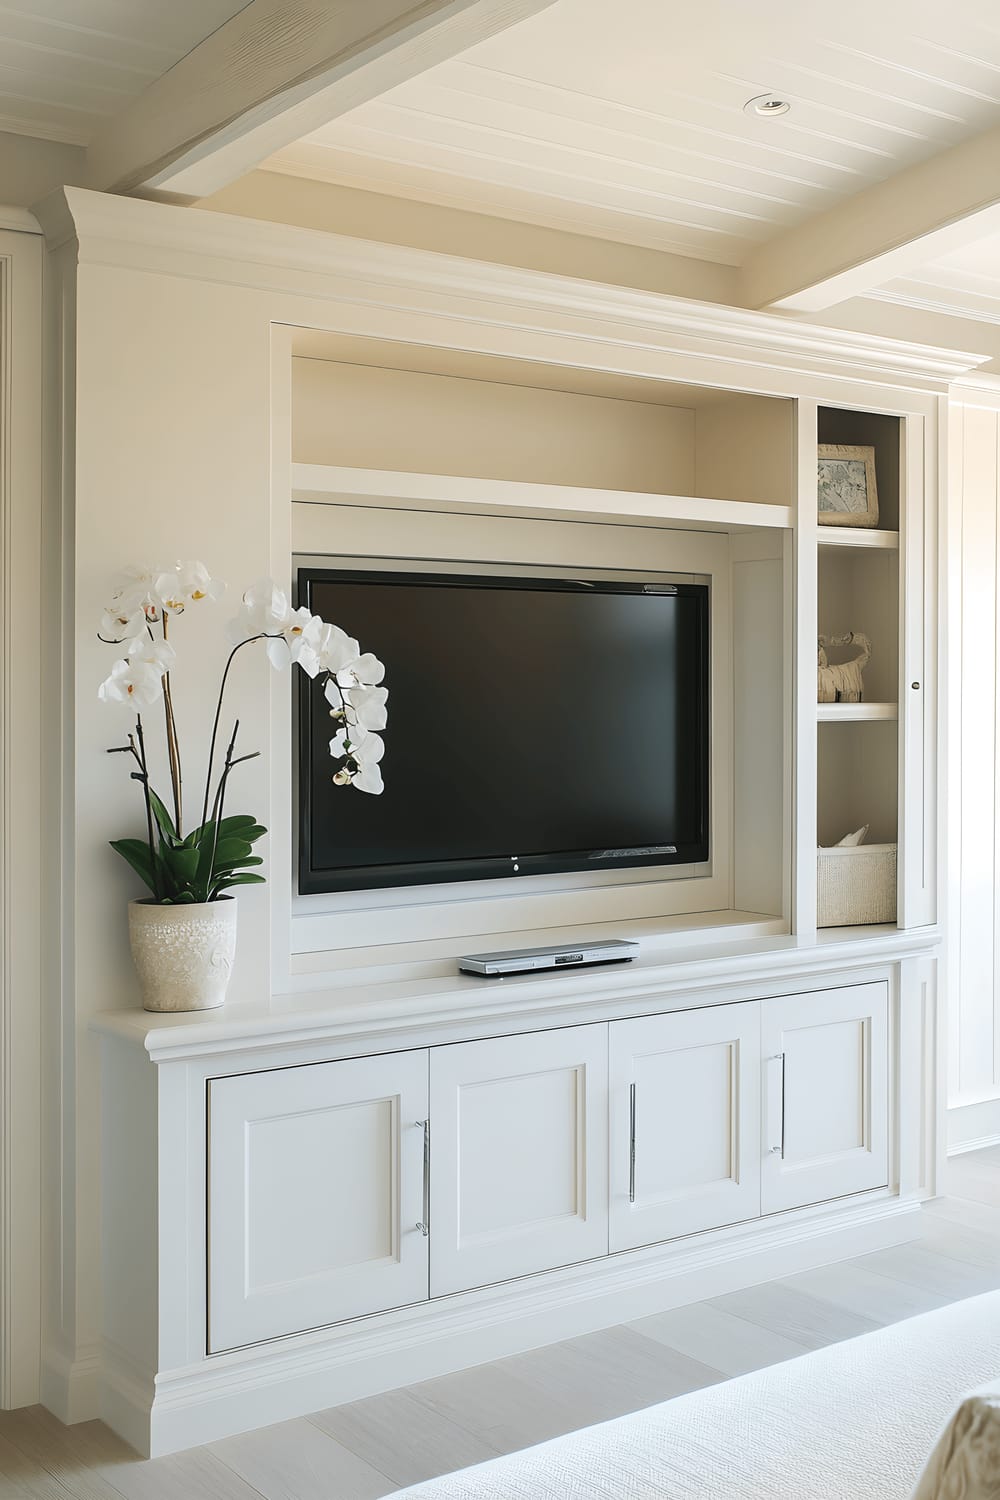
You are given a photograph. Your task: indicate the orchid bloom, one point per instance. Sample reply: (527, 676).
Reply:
(147, 596)
(319, 648)
(365, 750)
(185, 584)
(138, 679)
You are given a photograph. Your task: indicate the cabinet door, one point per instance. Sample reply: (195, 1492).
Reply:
(519, 1162)
(826, 1095)
(316, 1194)
(685, 1108)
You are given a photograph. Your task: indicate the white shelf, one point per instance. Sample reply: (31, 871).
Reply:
(858, 536)
(855, 713)
(323, 484)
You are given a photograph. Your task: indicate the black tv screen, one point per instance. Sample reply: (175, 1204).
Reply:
(536, 725)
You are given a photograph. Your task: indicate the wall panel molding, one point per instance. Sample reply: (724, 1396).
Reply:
(20, 811)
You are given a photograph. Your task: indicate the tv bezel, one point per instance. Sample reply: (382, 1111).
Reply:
(313, 882)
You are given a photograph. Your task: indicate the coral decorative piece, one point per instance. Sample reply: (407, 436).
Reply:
(842, 682)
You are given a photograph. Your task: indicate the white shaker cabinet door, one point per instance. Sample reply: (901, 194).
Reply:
(317, 1187)
(518, 1156)
(826, 1095)
(684, 1123)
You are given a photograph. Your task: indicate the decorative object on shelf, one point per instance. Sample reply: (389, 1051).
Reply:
(856, 885)
(846, 489)
(842, 682)
(856, 882)
(183, 936)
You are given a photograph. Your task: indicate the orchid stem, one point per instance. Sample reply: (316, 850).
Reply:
(218, 714)
(173, 749)
(140, 756)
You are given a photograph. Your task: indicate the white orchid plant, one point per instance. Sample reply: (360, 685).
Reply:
(204, 864)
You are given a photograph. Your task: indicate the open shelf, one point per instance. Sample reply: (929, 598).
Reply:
(319, 484)
(857, 781)
(856, 713)
(857, 536)
(381, 405)
(868, 430)
(859, 593)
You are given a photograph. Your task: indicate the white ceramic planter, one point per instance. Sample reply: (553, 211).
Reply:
(184, 954)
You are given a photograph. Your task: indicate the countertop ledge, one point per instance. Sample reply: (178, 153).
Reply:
(677, 975)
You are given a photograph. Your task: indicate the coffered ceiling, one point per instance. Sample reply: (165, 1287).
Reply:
(965, 283)
(626, 120)
(67, 65)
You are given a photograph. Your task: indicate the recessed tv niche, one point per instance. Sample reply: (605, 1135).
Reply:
(536, 725)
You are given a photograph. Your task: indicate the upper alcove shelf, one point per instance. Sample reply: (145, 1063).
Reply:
(327, 484)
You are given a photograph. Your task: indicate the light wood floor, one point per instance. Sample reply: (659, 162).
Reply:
(374, 1447)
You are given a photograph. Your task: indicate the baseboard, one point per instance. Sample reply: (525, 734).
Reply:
(973, 1127)
(70, 1386)
(231, 1393)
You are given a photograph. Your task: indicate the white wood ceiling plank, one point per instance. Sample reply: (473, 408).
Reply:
(576, 155)
(144, 58)
(528, 125)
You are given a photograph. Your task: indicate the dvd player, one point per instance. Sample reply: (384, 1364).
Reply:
(528, 960)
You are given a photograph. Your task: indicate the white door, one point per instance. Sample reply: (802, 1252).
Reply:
(685, 1106)
(519, 1160)
(826, 1095)
(317, 1186)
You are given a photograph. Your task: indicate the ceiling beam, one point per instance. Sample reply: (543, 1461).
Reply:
(884, 231)
(274, 72)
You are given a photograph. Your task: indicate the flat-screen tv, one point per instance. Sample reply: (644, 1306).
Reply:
(536, 725)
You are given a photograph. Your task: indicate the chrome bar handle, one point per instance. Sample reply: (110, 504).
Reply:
(425, 1223)
(631, 1143)
(776, 1107)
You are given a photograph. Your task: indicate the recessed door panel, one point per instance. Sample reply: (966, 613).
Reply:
(519, 1156)
(826, 1081)
(684, 1107)
(316, 1189)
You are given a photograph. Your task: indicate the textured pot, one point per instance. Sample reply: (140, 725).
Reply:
(184, 954)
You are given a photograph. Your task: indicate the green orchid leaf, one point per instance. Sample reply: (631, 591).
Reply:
(136, 851)
(182, 863)
(165, 822)
(229, 849)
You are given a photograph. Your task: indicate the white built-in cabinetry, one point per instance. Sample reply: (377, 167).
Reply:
(333, 1192)
(369, 1170)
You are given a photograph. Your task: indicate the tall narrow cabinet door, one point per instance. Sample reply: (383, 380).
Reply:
(317, 1182)
(684, 1123)
(519, 1160)
(826, 1095)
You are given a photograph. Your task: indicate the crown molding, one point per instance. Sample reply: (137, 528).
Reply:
(19, 220)
(198, 243)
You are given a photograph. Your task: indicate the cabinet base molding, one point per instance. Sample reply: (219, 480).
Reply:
(273, 1382)
(973, 1127)
(71, 1384)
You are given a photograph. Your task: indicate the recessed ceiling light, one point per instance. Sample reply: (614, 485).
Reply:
(768, 106)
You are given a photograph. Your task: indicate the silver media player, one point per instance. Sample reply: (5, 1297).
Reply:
(524, 960)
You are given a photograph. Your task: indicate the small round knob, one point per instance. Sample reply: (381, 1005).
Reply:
(915, 686)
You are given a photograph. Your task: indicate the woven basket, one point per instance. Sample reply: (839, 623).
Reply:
(856, 886)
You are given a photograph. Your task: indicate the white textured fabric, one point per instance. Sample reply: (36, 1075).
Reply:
(856, 1421)
(965, 1465)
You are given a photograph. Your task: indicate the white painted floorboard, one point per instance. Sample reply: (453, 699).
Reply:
(373, 1447)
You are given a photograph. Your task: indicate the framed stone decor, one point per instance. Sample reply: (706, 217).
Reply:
(846, 490)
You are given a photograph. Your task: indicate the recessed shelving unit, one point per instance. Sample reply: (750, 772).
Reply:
(858, 592)
(435, 415)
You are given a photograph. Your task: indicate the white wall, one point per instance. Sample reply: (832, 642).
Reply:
(30, 168)
(973, 642)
